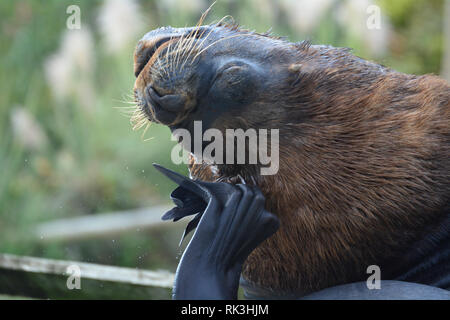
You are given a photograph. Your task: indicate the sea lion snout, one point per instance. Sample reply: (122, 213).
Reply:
(165, 75)
(204, 73)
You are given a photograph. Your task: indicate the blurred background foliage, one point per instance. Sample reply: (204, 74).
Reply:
(66, 148)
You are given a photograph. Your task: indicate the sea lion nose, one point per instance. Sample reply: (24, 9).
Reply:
(169, 102)
(146, 49)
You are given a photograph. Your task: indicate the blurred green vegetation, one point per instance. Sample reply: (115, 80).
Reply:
(92, 161)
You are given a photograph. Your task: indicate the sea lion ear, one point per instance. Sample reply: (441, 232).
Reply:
(298, 72)
(295, 67)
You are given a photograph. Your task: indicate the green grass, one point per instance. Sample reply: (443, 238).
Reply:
(94, 162)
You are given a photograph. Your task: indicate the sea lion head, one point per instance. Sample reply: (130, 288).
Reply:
(363, 149)
(220, 74)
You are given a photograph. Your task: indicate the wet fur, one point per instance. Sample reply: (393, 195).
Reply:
(364, 169)
(364, 172)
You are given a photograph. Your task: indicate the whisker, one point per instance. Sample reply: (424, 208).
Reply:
(223, 18)
(193, 36)
(125, 102)
(145, 130)
(178, 50)
(219, 40)
(138, 125)
(195, 48)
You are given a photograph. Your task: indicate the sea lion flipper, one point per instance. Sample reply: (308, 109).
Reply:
(190, 198)
(186, 196)
(187, 203)
(184, 182)
(227, 232)
(191, 226)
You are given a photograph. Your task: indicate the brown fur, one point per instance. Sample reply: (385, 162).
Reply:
(358, 180)
(364, 162)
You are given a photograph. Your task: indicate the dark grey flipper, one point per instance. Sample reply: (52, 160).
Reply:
(231, 222)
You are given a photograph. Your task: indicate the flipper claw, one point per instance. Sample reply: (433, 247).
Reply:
(186, 199)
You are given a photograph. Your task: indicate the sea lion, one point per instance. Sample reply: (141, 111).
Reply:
(364, 151)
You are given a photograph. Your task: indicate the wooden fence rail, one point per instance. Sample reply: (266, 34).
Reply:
(48, 278)
(103, 224)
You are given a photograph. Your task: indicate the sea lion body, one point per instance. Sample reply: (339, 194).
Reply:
(364, 152)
